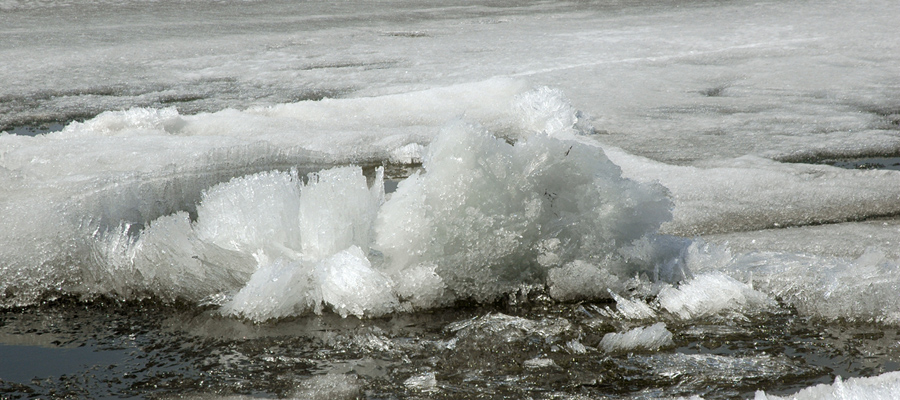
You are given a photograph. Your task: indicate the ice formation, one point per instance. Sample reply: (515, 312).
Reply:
(197, 204)
(881, 387)
(509, 194)
(483, 217)
(484, 211)
(650, 338)
(516, 197)
(864, 289)
(711, 294)
(507, 328)
(512, 197)
(474, 224)
(519, 201)
(425, 382)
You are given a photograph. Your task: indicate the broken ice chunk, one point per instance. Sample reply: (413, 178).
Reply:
(350, 286)
(710, 294)
(653, 337)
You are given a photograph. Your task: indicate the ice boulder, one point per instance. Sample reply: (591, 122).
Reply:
(490, 215)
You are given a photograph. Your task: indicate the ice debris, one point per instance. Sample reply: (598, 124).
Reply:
(426, 382)
(862, 289)
(539, 363)
(329, 387)
(499, 327)
(710, 294)
(653, 337)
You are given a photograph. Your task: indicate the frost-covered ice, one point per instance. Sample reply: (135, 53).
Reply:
(863, 289)
(483, 217)
(752, 193)
(512, 192)
(711, 294)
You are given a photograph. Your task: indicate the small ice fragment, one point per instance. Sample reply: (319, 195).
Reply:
(580, 280)
(329, 387)
(576, 347)
(424, 382)
(711, 294)
(652, 337)
(538, 362)
(350, 285)
(411, 153)
(506, 328)
(420, 286)
(632, 309)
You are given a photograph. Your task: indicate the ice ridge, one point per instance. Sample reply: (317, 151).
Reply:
(507, 198)
(484, 217)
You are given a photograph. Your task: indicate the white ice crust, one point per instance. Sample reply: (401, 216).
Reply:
(863, 289)
(514, 201)
(241, 209)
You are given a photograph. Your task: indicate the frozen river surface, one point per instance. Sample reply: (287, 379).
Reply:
(415, 199)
